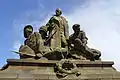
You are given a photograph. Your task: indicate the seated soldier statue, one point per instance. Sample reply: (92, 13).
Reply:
(78, 42)
(33, 44)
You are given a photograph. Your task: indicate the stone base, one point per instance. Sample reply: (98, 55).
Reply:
(22, 69)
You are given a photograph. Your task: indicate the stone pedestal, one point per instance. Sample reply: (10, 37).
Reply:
(22, 69)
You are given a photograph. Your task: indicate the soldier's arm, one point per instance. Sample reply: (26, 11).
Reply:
(50, 21)
(66, 30)
(39, 41)
(84, 38)
(70, 41)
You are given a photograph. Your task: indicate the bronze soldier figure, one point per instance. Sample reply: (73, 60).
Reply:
(58, 26)
(78, 40)
(32, 45)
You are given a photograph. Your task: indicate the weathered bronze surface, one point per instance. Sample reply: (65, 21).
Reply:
(51, 54)
(78, 43)
(58, 24)
(54, 43)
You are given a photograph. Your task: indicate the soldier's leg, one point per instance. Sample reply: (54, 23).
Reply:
(26, 52)
(89, 53)
(63, 41)
(96, 54)
(78, 45)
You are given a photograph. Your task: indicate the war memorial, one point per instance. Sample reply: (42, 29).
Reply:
(53, 54)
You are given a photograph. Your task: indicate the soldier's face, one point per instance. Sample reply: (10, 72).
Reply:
(77, 29)
(58, 12)
(43, 34)
(28, 32)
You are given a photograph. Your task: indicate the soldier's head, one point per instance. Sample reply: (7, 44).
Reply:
(58, 12)
(28, 29)
(76, 28)
(43, 31)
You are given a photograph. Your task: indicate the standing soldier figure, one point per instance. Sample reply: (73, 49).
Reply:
(58, 29)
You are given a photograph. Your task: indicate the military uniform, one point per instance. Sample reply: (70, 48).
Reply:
(79, 42)
(59, 26)
(35, 42)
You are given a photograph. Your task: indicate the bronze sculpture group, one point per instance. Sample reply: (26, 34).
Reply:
(53, 42)
(52, 54)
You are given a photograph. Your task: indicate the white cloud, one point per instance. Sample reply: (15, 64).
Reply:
(16, 47)
(100, 19)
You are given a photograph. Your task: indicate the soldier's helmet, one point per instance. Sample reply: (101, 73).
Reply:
(76, 26)
(43, 29)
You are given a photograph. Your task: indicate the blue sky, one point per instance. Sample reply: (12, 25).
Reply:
(99, 18)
